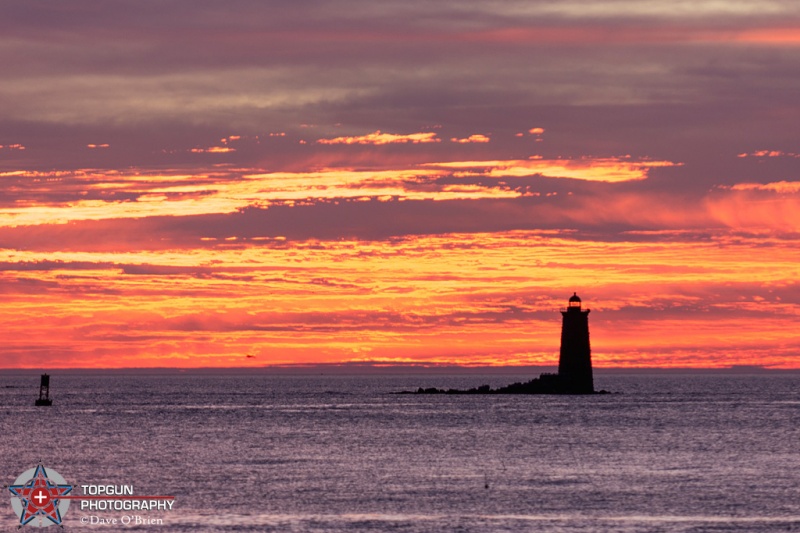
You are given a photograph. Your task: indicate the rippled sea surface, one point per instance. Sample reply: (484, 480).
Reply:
(342, 453)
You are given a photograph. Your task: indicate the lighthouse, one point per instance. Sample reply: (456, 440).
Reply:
(575, 360)
(574, 363)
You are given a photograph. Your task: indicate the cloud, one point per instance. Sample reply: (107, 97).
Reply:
(769, 153)
(58, 197)
(777, 186)
(610, 170)
(237, 207)
(605, 36)
(378, 138)
(396, 246)
(475, 138)
(503, 306)
(756, 206)
(213, 150)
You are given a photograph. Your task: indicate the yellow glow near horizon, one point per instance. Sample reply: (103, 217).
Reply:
(455, 298)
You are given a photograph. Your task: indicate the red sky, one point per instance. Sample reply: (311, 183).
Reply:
(200, 183)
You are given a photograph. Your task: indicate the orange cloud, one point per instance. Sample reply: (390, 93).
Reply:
(378, 138)
(226, 192)
(12, 147)
(755, 206)
(536, 131)
(213, 150)
(632, 35)
(94, 146)
(405, 183)
(774, 36)
(600, 169)
(776, 186)
(768, 153)
(459, 298)
(476, 138)
(481, 298)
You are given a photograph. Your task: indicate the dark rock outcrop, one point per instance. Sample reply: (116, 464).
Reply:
(544, 384)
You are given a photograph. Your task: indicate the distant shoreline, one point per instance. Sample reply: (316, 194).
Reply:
(412, 369)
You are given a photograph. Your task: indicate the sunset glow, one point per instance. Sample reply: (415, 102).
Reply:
(400, 188)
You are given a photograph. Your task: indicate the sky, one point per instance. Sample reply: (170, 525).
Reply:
(196, 183)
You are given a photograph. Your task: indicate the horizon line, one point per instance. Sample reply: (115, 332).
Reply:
(377, 367)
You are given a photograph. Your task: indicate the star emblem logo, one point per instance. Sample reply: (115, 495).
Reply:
(39, 496)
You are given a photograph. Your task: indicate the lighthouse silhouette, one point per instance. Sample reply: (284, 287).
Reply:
(575, 360)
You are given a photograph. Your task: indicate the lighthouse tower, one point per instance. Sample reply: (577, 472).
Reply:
(575, 360)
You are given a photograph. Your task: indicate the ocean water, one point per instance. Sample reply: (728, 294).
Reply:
(342, 453)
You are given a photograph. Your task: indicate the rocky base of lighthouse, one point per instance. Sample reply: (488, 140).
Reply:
(544, 384)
